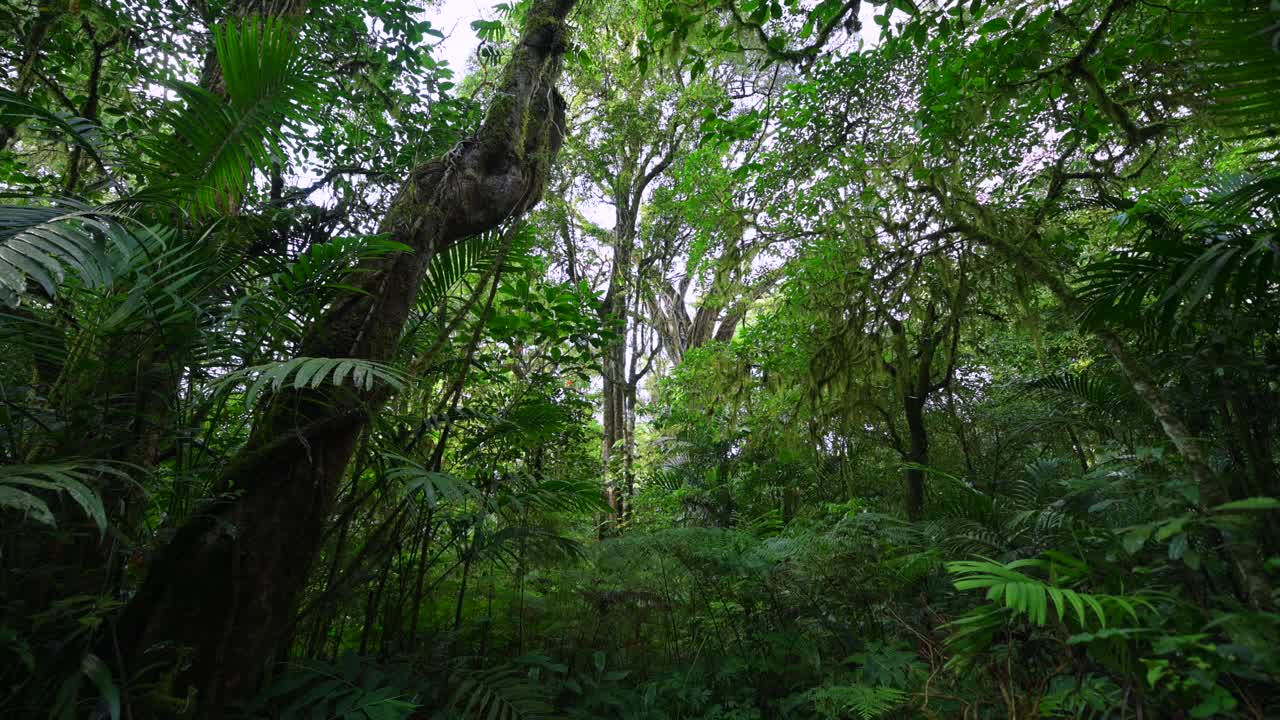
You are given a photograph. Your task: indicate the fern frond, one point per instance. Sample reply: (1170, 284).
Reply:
(1099, 392)
(557, 495)
(514, 544)
(217, 143)
(74, 479)
(473, 255)
(502, 693)
(869, 703)
(1010, 588)
(433, 486)
(303, 372)
(40, 244)
(351, 689)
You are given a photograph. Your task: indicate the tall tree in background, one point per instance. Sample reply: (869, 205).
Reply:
(637, 122)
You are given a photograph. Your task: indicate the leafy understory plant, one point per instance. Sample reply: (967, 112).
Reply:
(351, 689)
(840, 701)
(74, 479)
(1013, 593)
(502, 693)
(1029, 596)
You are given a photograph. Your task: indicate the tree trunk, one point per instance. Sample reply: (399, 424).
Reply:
(227, 584)
(615, 401)
(635, 174)
(629, 453)
(917, 456)
(614, 313)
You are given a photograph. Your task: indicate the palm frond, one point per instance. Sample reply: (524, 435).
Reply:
(40, 244)
(1241, 47)
(351, 689)
(502, 693)
(73, 479)
(1010, 588)
(521, 543)
(15, 109)
(1185, 259)
(284, 296)
(433, 486)
(1097, 391)
(473, 255)
(217, 143)
(667, 479)
(557, 495)
(534, 421)
(303, 372)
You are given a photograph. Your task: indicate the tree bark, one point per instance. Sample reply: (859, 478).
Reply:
(917, 455)
(636, 171)
(615, 314)
(227, 585)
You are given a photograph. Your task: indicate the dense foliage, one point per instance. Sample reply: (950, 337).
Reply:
(717, 359)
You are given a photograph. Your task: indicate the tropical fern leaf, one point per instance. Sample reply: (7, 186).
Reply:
(502, 693)
(473, 255)
(74, 479)
(558, 495)
(521, 543)
(351, 689)
(304, 372)
(322, 266)
(284, 296)
(217, 143)
(1085, 387)
(1010, 588)
(867, 702)
(668, 479)
(40, 244)
(433, 486)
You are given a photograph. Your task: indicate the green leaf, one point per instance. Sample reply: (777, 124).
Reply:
(72, 478)
(1136, 537)
(1253, 503)
(994, 25)
(97, 672)
(27, 504)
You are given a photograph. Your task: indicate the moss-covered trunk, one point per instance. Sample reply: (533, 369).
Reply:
(226, 586)
(917, 456)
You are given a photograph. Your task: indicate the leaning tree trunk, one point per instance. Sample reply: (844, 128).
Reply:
(226, 586)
